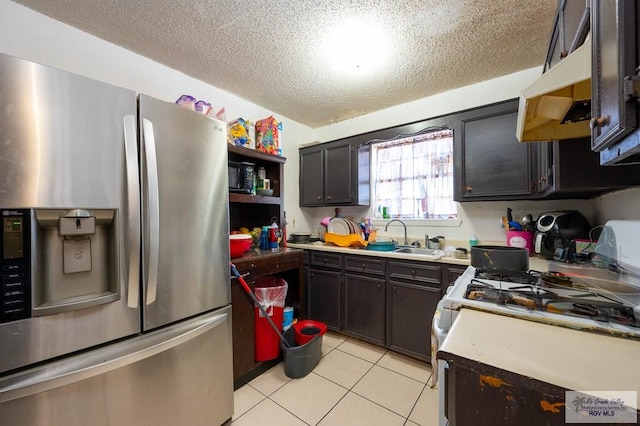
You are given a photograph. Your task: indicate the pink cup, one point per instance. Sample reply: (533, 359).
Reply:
(522, 239)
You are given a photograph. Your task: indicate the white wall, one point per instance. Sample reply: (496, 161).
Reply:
(619, 205)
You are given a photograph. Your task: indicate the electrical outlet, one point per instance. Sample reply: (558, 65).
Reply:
(293, 222)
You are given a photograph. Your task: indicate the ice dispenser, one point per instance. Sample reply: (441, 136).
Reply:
(77, 261)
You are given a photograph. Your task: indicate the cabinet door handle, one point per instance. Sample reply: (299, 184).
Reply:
(319, 197)
(395, 288)
(413, 272)
(379, 286)
(598, 122)
(328, 197)
(468, 189)
(364, 266)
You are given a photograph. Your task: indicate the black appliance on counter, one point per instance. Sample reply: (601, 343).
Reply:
(557, 232)
(241, 177)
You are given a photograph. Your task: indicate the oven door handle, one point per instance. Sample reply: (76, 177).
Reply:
(438, 335)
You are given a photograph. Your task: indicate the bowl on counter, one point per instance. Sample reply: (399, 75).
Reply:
(239, 244)
(381, 245)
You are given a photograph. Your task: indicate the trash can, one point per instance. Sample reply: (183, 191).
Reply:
(271, 293)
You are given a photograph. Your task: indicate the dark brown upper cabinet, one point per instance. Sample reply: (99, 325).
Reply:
(570, 29)
(615, 81)
(334, 174)
(490, 163)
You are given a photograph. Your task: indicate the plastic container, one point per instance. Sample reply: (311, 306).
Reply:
(287, 318)
(271, 293)
(473, 240)
(239, 244)
(302, 359)
(264, 238)
(521, 239)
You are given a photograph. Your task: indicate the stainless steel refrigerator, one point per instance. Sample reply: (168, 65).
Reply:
(114, 256)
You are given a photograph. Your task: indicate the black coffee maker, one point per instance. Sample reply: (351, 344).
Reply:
(557, 232)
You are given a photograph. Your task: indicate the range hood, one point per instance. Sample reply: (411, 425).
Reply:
(558, 104)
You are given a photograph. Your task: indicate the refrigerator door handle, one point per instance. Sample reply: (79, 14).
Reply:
(102, 361)
(133, 209)
(153, 209)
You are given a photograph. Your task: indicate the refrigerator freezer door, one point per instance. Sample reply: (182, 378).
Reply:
(62, 148)
(185, 219)
(178, 375)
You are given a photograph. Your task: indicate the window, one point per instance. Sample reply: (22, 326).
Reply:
(413, 176)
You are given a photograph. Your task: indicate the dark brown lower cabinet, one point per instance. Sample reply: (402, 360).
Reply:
(325, 302)
(480, 394)
(386, 302)
(286, 264)
(364, 313)
(410, 309)
(242, 317)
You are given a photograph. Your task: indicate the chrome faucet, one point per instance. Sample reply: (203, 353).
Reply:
(406, 241)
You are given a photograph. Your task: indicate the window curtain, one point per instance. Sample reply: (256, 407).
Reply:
(414, 176)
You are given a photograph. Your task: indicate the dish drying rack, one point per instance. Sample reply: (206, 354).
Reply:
(349, 240)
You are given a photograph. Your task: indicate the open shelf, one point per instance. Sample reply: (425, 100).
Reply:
(240, 153)
(256, 199)
(248, 210)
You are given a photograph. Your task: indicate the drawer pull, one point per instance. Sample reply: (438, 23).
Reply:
(413, 272)
(364, 266)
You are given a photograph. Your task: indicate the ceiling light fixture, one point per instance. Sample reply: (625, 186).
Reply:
(356, 47)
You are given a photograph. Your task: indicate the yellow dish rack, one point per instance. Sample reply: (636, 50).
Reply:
(350, 240)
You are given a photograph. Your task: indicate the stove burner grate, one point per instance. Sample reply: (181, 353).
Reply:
(532, 297)
(521, 277)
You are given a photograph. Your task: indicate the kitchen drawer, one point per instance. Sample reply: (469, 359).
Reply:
(365, 265)
(416, 271)
(326, 260)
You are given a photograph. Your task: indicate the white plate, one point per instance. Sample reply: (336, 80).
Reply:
(338, 226)
(354, 226)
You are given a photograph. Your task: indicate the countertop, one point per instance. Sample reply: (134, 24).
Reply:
(573, 359)
(534, 262)
(256, 254)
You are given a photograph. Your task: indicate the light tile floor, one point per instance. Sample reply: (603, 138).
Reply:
(354, 384)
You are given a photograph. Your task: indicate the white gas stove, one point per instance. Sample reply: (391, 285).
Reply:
(602, 297)
(575, 301)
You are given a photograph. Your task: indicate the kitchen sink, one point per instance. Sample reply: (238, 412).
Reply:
(415, 250)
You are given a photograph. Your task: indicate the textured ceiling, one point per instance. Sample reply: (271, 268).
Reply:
(271, 52)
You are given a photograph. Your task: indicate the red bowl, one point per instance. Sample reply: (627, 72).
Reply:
(306, 330)
(239, 244)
